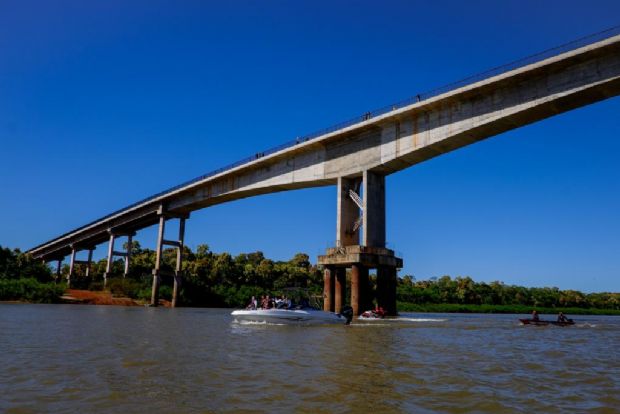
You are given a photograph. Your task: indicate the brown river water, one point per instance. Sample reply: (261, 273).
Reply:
(105, 359)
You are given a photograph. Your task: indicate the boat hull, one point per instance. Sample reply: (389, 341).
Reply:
(287, 316)
(544, 323)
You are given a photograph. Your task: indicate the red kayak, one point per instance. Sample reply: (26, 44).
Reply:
(544, 323)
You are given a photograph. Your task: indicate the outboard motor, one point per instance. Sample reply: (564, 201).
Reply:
(347, 312)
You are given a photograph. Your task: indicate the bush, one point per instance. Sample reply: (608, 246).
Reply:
(124, 287)
(30, 290)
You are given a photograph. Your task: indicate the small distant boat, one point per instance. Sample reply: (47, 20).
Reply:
(541, 322)
(289, 316)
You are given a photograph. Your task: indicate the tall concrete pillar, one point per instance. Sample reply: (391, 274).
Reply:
(355, 289)
(179, 268)
(71, 267)
(365, 299)
(381, 293)
(390, 306)
(58, 269)
(348, 212)
(340, 289)
(374, 210)
(158, 256)
(108, 267)
(359, 289)
(386, 289)
(328, 289)
(89, 261)
(128, 255)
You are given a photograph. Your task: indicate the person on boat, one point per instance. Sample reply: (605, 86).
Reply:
(535, 316)
(264, 302)
(379, 312)
(252, 305)
(562, 318)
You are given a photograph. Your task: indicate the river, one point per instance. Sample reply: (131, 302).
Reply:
(102, 359)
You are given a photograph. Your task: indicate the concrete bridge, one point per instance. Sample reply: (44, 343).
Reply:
(357, 156)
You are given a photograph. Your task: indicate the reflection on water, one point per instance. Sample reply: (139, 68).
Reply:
(67, 358)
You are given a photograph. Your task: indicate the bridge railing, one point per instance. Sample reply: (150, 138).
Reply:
(581, 42)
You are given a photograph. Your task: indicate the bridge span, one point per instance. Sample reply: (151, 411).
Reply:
(357, 156)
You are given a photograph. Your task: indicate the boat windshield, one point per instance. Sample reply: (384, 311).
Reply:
(303, 298)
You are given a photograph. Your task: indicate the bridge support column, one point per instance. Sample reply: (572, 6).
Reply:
(71, 267)
(348, 219)
(178, 274)
(128, 254)
(108, 267)
(58, 269)
(89, 261)
(340, 291)
(355, 289)
(114, 234)
(360, 257)
(158, 272)
(373, 210)
(74, 262)
(328, 289)
(359, 288)
(157, 269)
(386, 289)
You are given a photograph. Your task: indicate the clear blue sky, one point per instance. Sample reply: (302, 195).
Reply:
(103, 103)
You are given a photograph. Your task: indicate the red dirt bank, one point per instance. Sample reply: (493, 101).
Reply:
(101, 298)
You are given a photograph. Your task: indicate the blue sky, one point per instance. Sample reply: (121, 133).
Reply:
(103, 103)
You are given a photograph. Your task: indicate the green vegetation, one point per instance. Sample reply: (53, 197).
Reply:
(462, 294)
(30, 290)
(22, 278)
(523, 309)
(221, 280)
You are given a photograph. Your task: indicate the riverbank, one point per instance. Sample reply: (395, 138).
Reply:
(90, 297)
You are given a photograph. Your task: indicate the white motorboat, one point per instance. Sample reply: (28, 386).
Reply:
(289, 316)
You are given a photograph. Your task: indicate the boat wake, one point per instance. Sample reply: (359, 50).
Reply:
(391, 321)
(258, 323)
(421, 319)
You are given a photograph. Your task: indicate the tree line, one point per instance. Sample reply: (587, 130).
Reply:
(222, 280)
(465, 291)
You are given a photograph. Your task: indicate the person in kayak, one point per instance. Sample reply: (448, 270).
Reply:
(562, 318)
(535, 316)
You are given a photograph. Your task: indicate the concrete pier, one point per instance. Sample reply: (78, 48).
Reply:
(340, 289)
(126, 255)
(328, 289)
(71, 267)
(158, 272)
(386, 289)
(58, 270)
(365, 211)
(360, 259)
